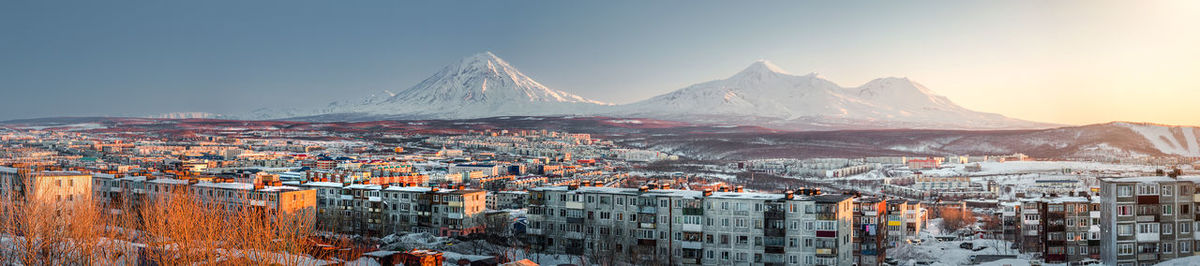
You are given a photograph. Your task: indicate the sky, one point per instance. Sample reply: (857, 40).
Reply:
(1069, 62)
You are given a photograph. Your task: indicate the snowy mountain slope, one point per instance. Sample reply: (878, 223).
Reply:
(1111, 141)
(1175, 140)
(768, 95)
(481, 85)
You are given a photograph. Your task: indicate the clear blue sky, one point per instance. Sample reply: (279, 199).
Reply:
(148, 57)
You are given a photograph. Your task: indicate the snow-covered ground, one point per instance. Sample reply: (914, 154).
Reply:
(937, 252)
(1186, 261)
(453, 250)
(1017, 167)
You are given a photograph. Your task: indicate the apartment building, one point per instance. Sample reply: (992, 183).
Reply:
(268, 197)
(870, 226)
(683, 227)
(1010, 222)
(1066, 233)
(501, 200)
(1031, 227)
(60, 187)
(1146, 220)
(905, 219)
(380, 210)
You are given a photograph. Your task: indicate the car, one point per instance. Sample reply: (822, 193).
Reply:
(966, 245)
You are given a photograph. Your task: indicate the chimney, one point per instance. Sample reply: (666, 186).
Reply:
(384, 186)
(643, 189)
(817, 191)
(572, 187)
(708, 192)
(788, 195)
(741, 188)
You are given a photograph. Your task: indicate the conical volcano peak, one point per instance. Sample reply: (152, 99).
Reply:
(763, 66)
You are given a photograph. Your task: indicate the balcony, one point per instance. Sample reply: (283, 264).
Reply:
(773, 249)
(454, 215)
(574, 235)
(826, 233)
(1147, 256)
(574, 220)
(692, 245)
(826, 251)
(646, 225)
(647, 209)
(693, 228)
(774, 215)
(774, 232)
(693, 211)
(574, 205)
(533, 231)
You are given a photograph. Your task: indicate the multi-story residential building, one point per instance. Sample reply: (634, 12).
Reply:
(1010, 222)
(1031, 227)
(501, 200)
(380, 210)
(682, 227)
(870, 225)
(1065, 223)
(267, 197)
(905, 219)
(914, 218)
(59, 187)
(1146, 220)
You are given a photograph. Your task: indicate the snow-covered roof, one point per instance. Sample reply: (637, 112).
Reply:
(323, 184)
(1150, 179)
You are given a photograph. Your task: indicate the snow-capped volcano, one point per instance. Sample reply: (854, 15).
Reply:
(481, 85)
(765, 94)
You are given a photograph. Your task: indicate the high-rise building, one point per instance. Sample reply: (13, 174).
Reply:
(1146, 220)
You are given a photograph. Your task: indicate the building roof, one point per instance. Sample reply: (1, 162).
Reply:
(1150, 179)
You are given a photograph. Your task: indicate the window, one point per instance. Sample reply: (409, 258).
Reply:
(1147, 190)
(1124, 191)
(1168, 190)
(1124, 249)
(1168, 209)
(1185, 246)
(1168, 228)
(1124, 210)
(1147, 228)
(1185, 227)
(1168, 248)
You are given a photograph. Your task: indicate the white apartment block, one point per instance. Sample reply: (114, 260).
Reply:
(681, 227)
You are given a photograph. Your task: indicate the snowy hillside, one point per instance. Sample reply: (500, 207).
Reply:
(776, 98)
(1175, 140)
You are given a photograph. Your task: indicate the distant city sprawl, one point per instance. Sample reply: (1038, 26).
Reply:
(197, 191)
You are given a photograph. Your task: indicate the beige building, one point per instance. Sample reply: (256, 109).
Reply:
(54, 186)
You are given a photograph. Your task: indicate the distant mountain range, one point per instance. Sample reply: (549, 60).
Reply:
(483, 85)
(1105, 142)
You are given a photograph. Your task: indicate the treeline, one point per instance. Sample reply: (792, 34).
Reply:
(177, 229)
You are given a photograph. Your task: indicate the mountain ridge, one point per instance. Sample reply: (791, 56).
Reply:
(484, 85)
